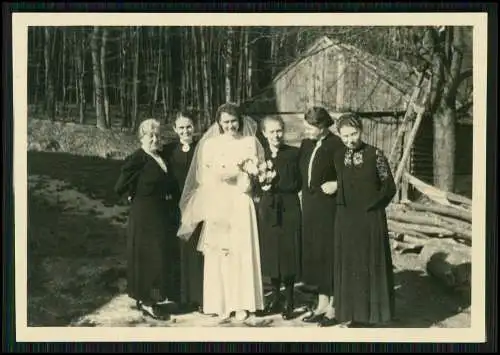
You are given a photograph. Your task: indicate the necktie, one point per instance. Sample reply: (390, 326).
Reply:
(313, 155)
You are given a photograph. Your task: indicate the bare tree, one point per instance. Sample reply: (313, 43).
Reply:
(105, 94)
(49, 48)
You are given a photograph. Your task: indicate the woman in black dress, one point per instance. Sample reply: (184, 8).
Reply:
(319, 186)
(179, 155)
(363, 276)
(280, 218)
(152, 225)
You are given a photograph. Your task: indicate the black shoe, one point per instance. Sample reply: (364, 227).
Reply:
(273, 307)
(287, 312)
(153, 313)
(313, 318)
(328, 322)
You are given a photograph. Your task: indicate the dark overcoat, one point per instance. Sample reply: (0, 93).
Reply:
(190, 260)
(280, 216)
(151, 229)
(318, 212)
(363, 267)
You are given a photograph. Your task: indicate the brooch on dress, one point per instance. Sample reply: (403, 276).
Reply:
(353, 158)
(186, 148)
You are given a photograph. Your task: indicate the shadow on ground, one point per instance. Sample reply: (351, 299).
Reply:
(93, 176)
(75, 263)
(422, 301)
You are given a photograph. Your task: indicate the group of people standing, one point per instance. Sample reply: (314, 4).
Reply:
(204, 232)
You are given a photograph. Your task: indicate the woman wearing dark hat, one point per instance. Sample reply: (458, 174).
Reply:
(363, 276)
(319, 189)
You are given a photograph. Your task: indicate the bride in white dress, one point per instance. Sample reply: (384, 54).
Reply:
(218, 192)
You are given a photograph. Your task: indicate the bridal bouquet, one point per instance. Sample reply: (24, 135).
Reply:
(266, 174)
(260, 173)
(250, 167)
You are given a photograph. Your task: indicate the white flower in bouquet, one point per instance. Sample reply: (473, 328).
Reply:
(250, 167)
(266, 187)
(270, 175)
(269, 164)
(263, 167)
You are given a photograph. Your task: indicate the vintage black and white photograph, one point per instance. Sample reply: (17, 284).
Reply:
(251, 176)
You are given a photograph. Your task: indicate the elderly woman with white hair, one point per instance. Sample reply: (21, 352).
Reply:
(152, 225)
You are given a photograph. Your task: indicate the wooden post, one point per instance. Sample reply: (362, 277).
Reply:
(409, 144)
(409, 112)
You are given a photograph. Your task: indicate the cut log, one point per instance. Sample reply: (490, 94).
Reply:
(400, 229)
(459, 223)
(459, 199)
(424, 221)
(444, 210)
(416, 229)
(447, 261)
(435, 194)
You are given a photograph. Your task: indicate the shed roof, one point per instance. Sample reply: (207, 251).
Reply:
(397, 74)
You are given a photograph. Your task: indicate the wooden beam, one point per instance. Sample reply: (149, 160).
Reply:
(436, 194)
(407, 148)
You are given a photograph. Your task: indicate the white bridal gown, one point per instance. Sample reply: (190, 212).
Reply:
(229, 240)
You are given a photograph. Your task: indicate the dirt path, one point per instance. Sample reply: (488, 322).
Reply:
(421, 303)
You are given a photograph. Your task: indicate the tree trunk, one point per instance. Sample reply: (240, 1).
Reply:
(37, 75)
(449, 262)
(123, 80)
(96, 70)
(249, 59)
(80, 74)
(448, 54)
(64, 69)
(197, 102)
(204, 67)
(274, 51)
(49, 78)
(104, 77)
(158, 74)
(167, 73)
(135, 78)
(241, 65)
(229, 65)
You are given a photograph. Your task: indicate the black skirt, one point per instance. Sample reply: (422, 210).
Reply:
(151, 250)
(318, 222)
(363, 266)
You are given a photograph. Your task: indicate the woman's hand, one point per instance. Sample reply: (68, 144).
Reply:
(228, 173)
(329, 187)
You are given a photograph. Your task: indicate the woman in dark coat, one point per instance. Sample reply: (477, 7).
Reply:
(319, 186)
(152, 225)
(280, 218)
(363, 274)
(179, 155)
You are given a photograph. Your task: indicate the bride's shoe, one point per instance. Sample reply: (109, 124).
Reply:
(240, 316)
(224, 318)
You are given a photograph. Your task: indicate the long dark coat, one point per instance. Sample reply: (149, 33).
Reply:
(152, 227)
(318, 213)
(280, 216)
(363, 265)
(190, 260)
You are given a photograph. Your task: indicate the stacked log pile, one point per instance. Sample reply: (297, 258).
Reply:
(440, 230)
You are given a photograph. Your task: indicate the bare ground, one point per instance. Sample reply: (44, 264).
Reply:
(76, 266)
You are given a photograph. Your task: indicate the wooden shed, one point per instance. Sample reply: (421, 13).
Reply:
(342, 77)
